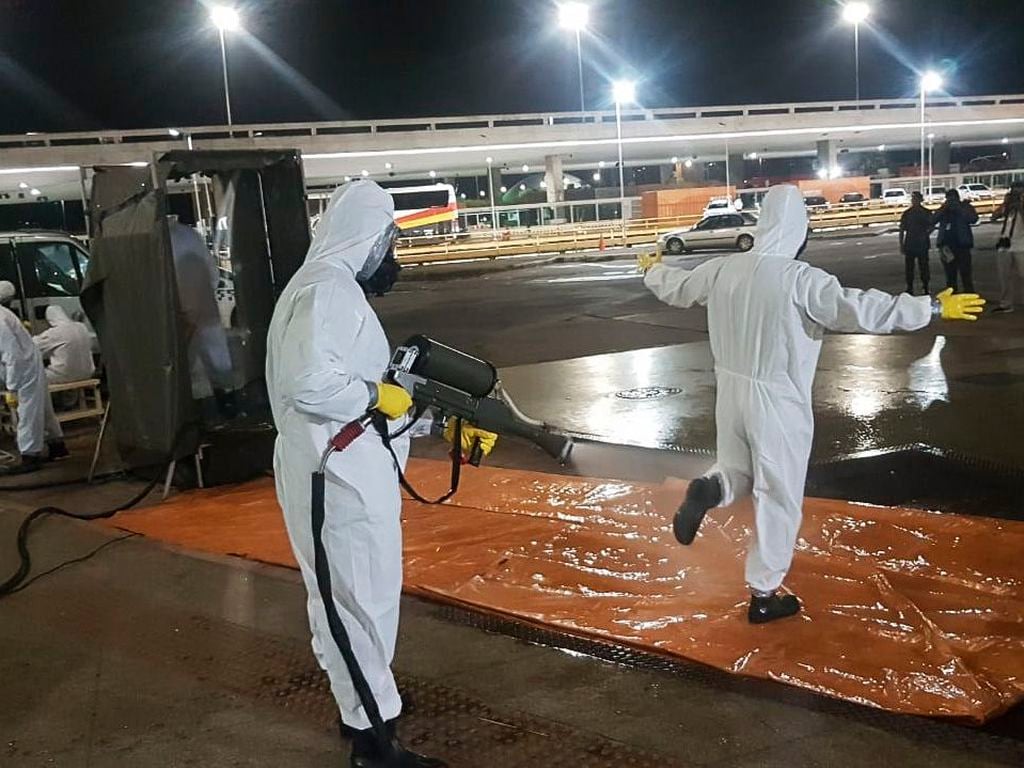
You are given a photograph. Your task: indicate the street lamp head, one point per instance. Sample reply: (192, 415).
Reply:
(688, 163)
(225, 18)
(489, 159)
(433, 174)
(856, 13)
(388, 166)
(174, 132)
(624, 91)
(931, 81)
(675, 159)
(574, 16)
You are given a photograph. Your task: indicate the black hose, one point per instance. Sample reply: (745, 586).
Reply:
(323, 581)
(25, 566)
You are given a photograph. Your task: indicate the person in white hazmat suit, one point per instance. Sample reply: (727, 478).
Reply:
(67, 346)
(21, 374)
(326, 357)
(208, 351)
(767, 314)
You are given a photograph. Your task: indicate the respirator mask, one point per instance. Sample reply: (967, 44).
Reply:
(380, 271)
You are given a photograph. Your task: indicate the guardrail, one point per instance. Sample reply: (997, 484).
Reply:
(179, 134)
(608, 234)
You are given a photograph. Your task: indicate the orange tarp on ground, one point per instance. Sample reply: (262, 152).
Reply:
(906, 610)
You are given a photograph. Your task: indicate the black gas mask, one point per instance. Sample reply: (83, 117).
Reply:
(380, 272)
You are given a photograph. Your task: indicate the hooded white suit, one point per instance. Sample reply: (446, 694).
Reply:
(767, 313)
(326, 352)
(67, 345)
(21, 372)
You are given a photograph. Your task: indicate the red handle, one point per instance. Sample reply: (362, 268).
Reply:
(348, 435)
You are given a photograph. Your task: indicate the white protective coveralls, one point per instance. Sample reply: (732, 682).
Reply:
(21, 372)
(326, 351)
(68, 346)
(196, 275)
(767, 313)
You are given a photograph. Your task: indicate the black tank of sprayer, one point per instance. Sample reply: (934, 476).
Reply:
(438, 362)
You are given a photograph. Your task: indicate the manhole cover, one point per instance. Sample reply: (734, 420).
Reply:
(648, 393)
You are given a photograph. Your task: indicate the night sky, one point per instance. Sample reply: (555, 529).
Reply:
(91, 64)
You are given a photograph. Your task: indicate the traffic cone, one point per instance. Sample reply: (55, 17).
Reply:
(600, 245)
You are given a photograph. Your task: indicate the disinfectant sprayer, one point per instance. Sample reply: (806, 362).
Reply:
(455, 386)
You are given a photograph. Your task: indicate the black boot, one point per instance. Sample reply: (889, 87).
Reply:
(30, 462)
(58, 450)
(765, 608)
(367, 753)
(703, 494)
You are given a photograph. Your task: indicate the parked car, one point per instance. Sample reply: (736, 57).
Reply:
(816, 203)
(935, 194)
(720, 205)
(895, 196)
(45, 268)
(853, 199)
(729, 230)
(975, 191)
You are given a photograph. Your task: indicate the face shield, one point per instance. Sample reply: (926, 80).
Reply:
(380, 271)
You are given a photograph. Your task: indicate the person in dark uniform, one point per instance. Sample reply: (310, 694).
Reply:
(915, 241)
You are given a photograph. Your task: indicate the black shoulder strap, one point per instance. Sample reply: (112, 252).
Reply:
(380, 423)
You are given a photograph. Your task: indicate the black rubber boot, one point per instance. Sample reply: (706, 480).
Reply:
(58, 450)
(774, 606)
(366, 751)
(29, 463)
(703, 494)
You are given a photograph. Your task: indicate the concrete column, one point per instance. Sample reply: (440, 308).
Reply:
(553, 178)
(696, 173)
(940, 157)
(827, 154)
(736, 169)
(1016, 152)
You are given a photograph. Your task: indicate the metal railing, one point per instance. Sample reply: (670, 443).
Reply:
(255, 131)
(611, 234)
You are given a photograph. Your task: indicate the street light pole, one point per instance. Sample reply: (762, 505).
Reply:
(490, 189)
(579, 63)
(930, 81)
(622, 91)
(575, 16)
(226, 19)
(856, 13)
(224, 69)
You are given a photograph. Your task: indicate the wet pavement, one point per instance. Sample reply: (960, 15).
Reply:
(146, 656)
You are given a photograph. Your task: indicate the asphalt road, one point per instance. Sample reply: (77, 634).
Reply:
(564, 310)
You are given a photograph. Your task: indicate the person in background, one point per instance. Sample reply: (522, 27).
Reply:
(1010, 249)
(915, 241)
(21, 375)
(955, 240)
(67, 346)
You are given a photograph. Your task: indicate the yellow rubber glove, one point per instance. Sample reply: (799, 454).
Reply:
(392, 400)
(470, 435)
(11, 399)
(960, 306)
(647, 260)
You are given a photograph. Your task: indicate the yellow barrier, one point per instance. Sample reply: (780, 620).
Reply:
(597, 235)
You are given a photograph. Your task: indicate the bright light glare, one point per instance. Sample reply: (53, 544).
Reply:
(433, 174)
(624, 91)
(526, 169)
(597, 175)
(34, 192)
(931, 135)
(856, 13)
(688, 163)
(674, 159)
(225, 19)
(881, 147)
(489, 160)
(174, 132)
(600, 164)
(753, 155)
(1006, 140)
(823, 173)
(22, 185)
(573, 16)
(522, 187)
(835, 172)
(482, 193)
(503, 189)
(388, 166)
(931, 81)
